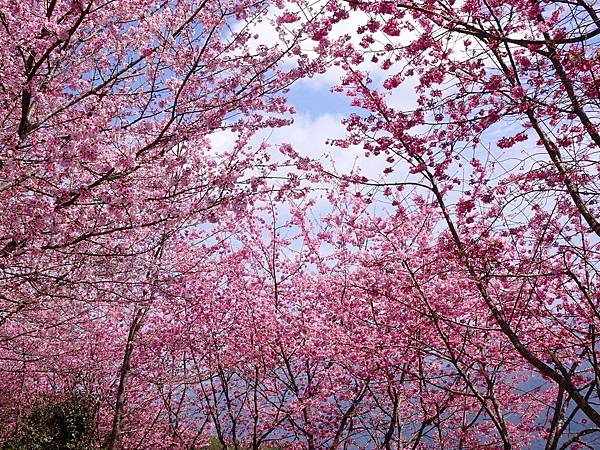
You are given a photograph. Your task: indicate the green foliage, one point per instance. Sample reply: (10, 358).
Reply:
(66, 423)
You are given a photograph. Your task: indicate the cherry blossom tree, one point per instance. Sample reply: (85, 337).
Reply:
(106, 163)
(501, 148)
(199, 293)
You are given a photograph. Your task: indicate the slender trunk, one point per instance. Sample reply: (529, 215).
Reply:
(124, 374)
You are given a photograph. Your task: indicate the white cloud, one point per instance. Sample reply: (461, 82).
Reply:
(222, 140)
(308, 136)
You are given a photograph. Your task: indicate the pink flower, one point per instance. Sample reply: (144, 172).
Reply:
(288, 17)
